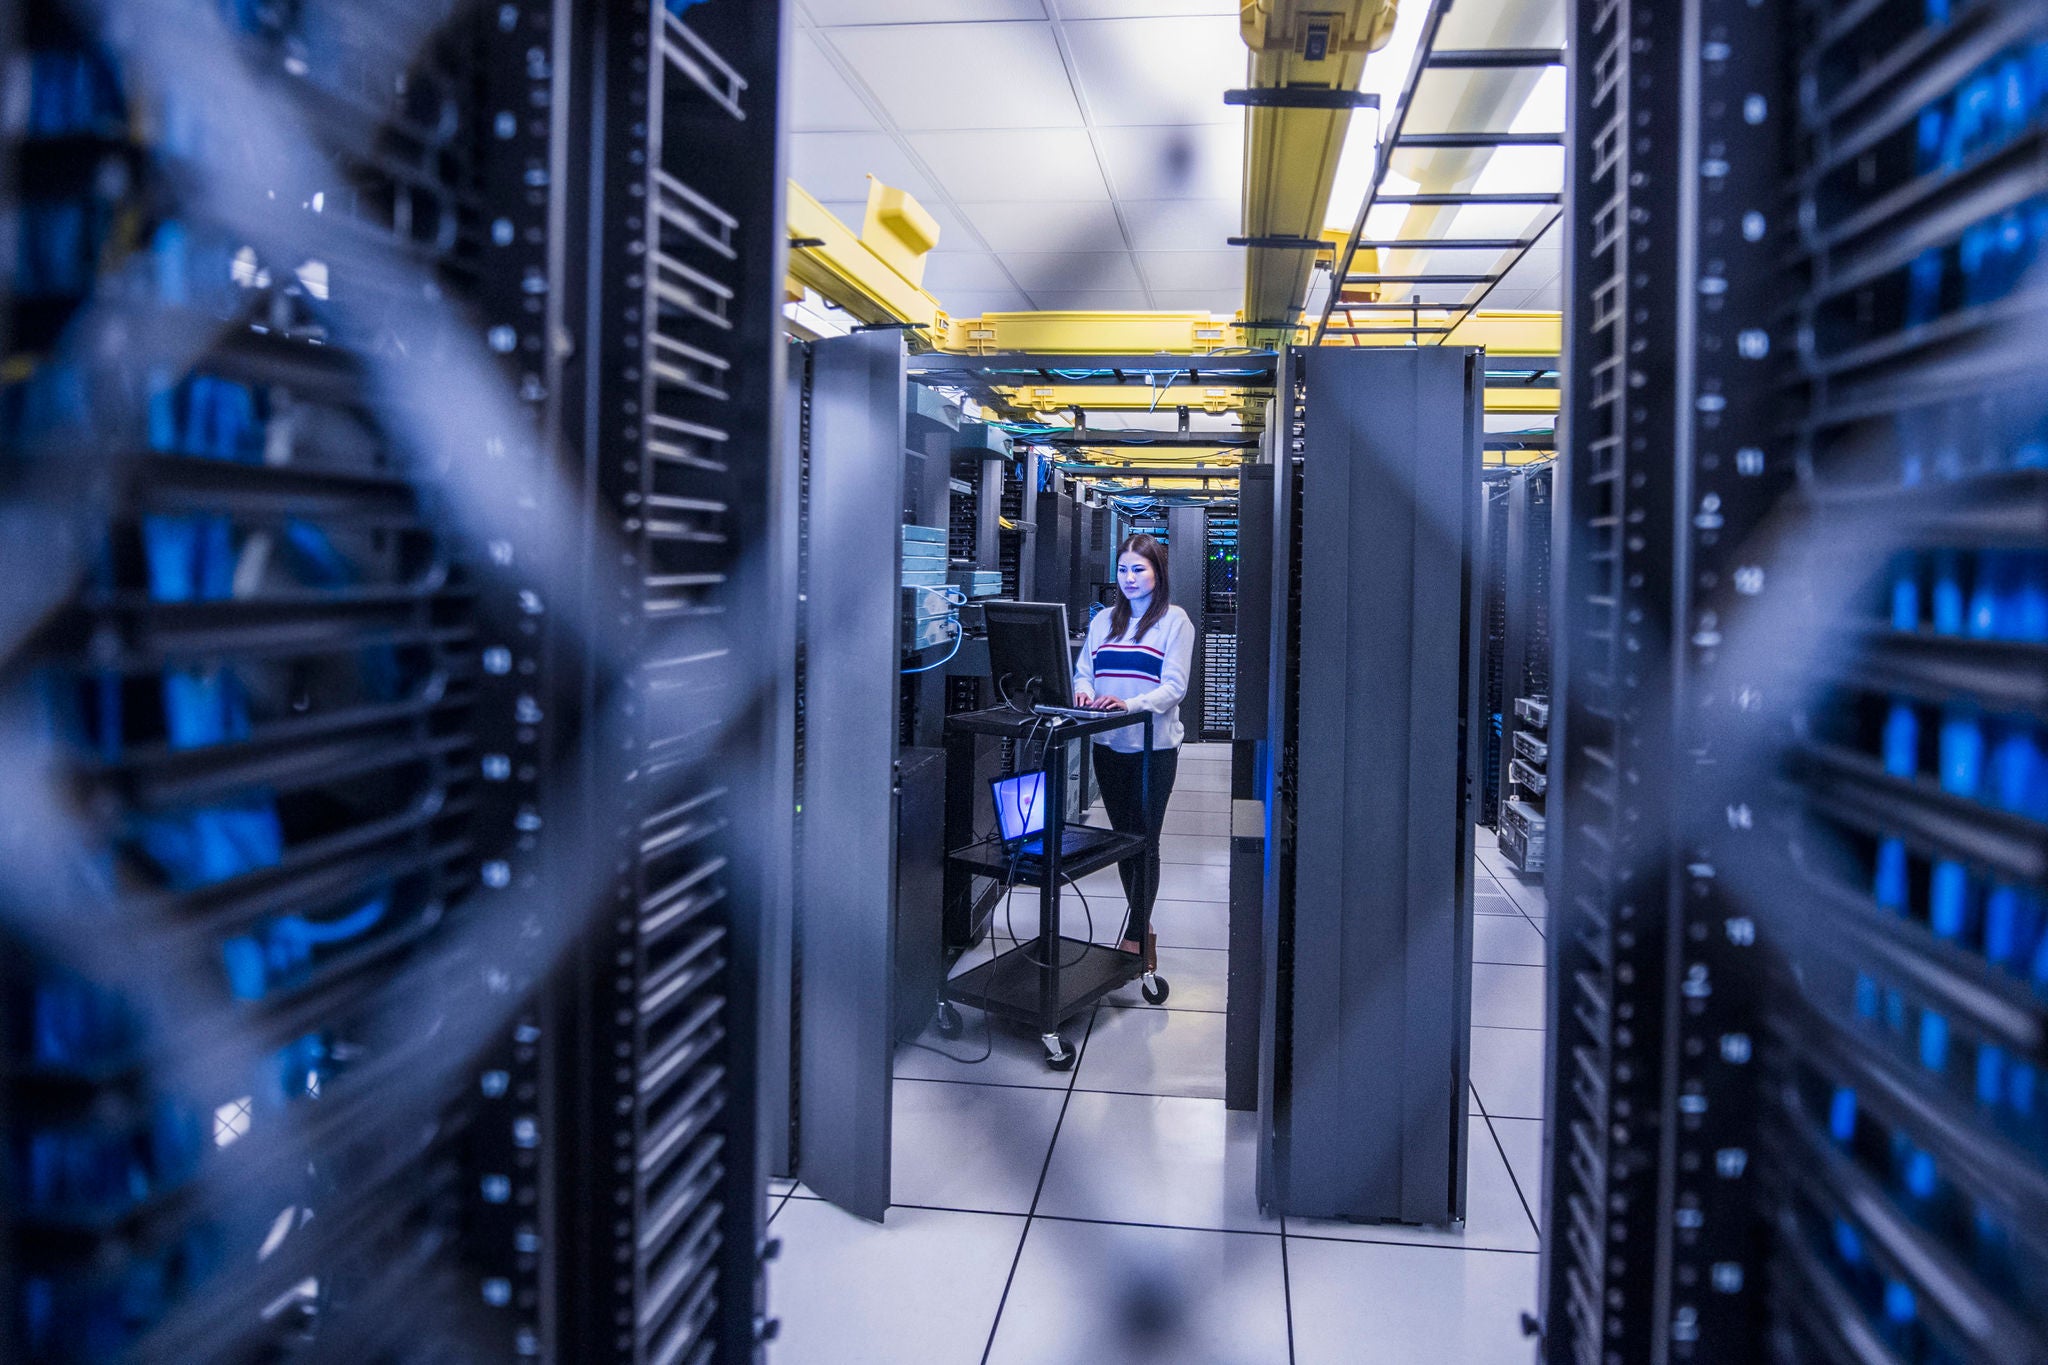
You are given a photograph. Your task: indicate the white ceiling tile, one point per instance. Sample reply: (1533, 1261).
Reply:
(1121, 9)
(1089, 225)
(936, 76)
(1508, 298)
(1193, 269)
(834, 167)
(974, 304)
(1224, 300)
(827, 13)
(1073, 270)
(976, 167)
(1088, 300)
(820, 98)
(1550, 296)
(1182, 224)
(1188, 161)
(1147, 71)
(965, 272)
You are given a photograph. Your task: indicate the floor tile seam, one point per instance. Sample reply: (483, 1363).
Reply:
(1147, 1094)
(1513, 1179)
(1169, 1007)
(992, 1085)
(1287, 1289)
(1037, 1193)
(1161, 1227)
(1492, 962)
(1414, 1246)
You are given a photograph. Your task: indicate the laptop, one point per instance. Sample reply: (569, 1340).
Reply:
(1020, 815)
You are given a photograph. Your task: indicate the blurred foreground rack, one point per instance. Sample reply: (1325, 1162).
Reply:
(1799, 790)
(321, 690)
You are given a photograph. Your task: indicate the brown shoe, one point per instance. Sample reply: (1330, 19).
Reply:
(1151, 949)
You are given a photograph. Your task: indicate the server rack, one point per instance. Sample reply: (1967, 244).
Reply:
(677, 253)
(1218, 695)
(1494, 698)
(366, 717)
(1522, 821)
(1373, 759)
(1796, 1026)
(267, 917)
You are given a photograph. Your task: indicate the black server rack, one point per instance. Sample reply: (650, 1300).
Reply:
(1218, 696)
(1800, 835)
(1373, 697)
(1494, 700)
(1010, 536)
(1522, 821)
(344, 719)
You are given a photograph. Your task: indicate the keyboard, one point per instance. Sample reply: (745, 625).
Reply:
(1073, 839)
(1075, 712)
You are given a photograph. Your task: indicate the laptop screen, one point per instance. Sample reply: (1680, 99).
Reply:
(1020, 805)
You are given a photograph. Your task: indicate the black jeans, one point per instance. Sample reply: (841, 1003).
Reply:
(1120, 776)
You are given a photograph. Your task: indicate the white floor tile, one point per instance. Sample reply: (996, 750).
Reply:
(1506, 938)
(1184, 799)
(778, 1187)
(1156, 1159)
(1507, 1071)
(1089, 1293)
(1483, 837)
(1180, 821)
(1522, 1140)
(1154, 1052)
(1180, 924)
(1013, 1058)
(1202, 777)
(1494, 1217)
(974, 1147)
(1177, 882)
(1357, 1304)
(1528, 895)
(1196, 979)
(1188, 924)
(1507, 997)
(1212, 850)
(851, 1293)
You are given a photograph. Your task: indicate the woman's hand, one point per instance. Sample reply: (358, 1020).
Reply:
(1108, 704)
(1084, 699)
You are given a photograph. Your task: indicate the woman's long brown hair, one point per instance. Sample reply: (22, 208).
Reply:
(1120, 615)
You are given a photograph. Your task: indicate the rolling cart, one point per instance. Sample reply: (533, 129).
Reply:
(1046, 981)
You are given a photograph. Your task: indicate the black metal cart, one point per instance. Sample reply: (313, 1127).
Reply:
(1051, 978)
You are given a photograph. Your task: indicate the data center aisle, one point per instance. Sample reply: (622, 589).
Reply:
(1049, 1218)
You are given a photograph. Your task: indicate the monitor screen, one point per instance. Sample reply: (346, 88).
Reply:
(1020, 805)
(1029, 656)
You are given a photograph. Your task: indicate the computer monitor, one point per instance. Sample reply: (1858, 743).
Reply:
(1028, 654)
(1020, 808)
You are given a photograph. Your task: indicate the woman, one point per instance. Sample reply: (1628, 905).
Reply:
(1137, 659)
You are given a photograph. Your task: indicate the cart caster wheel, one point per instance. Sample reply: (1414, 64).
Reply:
(948, 1023)
(1155, 989)
(1058, 1055)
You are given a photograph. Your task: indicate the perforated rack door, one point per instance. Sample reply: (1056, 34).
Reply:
(1904, 1151)
(1673, 199)
(674, 405)
(271, 932)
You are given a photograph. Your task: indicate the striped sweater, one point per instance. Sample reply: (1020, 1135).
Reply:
(1146, 675)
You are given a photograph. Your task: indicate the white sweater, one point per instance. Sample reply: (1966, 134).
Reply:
(1145, 675)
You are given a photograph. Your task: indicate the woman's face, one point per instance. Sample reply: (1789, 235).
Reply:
(1134, 575)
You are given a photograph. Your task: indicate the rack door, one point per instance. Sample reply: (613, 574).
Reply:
(846, 863)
